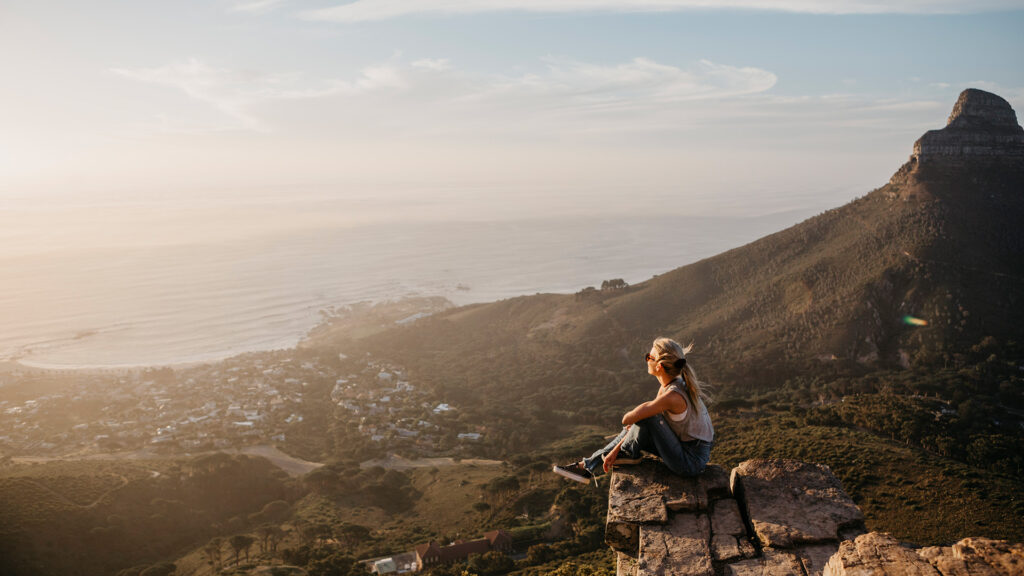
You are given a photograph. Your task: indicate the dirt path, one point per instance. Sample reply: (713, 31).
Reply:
(290, 464)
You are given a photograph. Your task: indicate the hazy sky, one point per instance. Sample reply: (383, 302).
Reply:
(699, 98)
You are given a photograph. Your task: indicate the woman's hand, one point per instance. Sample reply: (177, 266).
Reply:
(609, 459)
(628, 419)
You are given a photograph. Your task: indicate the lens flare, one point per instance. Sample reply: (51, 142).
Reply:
(911, 321)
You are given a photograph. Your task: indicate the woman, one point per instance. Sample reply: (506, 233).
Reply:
(675, 425)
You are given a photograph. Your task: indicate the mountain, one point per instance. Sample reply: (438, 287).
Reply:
(913, 274)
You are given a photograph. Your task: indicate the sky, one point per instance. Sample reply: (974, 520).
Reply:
(542, 104)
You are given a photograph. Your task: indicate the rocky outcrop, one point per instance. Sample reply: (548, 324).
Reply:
(982, 125)
(645, 494)
(793, 503)
(769, 518)
(876, 553)
(881, 554)
(976, 557)
(982, 132)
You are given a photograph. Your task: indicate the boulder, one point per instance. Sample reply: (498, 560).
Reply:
(791, 503)
(976, 557)
(876, 554)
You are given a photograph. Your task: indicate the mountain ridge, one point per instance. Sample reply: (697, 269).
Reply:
(834, 294)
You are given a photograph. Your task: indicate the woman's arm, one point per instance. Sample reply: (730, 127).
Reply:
(672, 402)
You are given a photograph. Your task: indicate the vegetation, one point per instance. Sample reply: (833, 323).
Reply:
(155, 510)
(881, 339)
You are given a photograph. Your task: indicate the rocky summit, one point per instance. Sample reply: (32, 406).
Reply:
(982, 126)
(770, 517)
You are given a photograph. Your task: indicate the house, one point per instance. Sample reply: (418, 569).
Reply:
(500, 540)
(432, 554)
(385, 566)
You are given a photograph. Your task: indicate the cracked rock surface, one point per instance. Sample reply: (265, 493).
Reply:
(770, 518)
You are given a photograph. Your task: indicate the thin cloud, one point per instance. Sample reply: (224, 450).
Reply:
(236, 92)
(230, 91)
(638, 100)
(582, 87)
(372, 10)
(437, 64)
(255, 6)
(640, 82)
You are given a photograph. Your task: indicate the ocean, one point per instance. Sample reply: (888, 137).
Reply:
(106, 284)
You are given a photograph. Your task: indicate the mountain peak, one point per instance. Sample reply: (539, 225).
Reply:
(977, 109)
(983, 126)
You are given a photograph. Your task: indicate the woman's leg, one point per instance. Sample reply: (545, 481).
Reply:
(682, 458)
(629, 446)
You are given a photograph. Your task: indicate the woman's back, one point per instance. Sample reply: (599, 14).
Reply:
(691, 424)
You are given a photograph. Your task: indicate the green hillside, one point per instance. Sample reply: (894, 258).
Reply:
(881, 338)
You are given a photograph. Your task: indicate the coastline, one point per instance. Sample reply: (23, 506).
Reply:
(167, 306)
(99, 369)
(359, 318)
(294, 466)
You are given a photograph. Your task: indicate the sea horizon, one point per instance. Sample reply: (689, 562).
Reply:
(205, 282)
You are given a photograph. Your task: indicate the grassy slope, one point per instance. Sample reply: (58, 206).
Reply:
(916, 496)
(443, 507)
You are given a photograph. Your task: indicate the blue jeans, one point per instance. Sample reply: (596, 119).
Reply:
(655, 436)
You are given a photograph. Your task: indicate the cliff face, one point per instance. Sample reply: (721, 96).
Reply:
(982, 125)
(769, 518)
(982, 130)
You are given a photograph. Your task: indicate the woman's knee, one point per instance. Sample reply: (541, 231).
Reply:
(649, 421)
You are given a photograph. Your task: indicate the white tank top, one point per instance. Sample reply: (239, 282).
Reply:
(691, 424)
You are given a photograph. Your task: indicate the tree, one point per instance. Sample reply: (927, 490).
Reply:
(277, 510)
(500, 487)
(276, 535)
(350, 535)
(321, 479)
(613, 284)
(312, 534)
(265, 533)
(240, 542)
(212, 551)
(492, 562)
(539, 554)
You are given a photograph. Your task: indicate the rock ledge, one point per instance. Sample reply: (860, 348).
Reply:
(769, 518)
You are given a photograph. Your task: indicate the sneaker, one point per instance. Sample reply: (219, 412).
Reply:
(574, 472)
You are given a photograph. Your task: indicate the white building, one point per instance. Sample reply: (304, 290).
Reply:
(385, 566)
